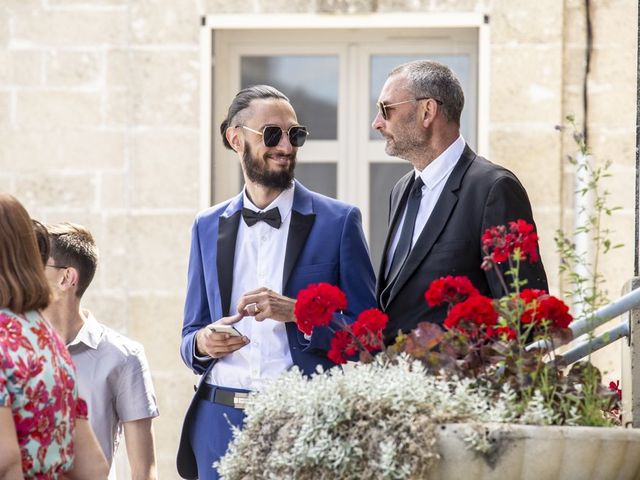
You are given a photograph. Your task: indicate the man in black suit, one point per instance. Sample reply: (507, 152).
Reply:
(438, 211)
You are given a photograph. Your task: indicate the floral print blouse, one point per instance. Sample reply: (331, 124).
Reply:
(37, 381)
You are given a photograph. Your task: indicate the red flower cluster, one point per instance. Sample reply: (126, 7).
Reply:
(498, 243)
(471, 311)
(340, 346)
(615, 387)
(316, 305)
(368, 328)
(505, 333)
(529, 295)
(495, 240)
(366, 333)
(449, 290)
(556, 311)
(477, 309)
(541, 306)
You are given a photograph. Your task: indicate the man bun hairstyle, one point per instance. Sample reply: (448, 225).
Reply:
(432, 79)
(72, 245)
(242, 101)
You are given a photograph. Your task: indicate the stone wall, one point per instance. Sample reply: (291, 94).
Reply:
(99, 124)
(99, 114)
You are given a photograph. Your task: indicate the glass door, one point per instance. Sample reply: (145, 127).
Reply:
(333, 79)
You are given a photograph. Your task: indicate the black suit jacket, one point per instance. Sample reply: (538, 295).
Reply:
(478, 194)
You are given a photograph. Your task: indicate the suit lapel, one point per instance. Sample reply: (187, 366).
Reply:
(299, 229)
(226, 248)
(302, 219)
(436, 223)
(396, 207)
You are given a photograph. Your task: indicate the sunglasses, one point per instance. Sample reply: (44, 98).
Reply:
(384, 108)
(271, 135)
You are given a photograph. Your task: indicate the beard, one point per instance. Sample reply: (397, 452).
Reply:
(257, 170)
(407, 142)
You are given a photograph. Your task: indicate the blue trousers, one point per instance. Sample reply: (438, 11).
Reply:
(210, 433)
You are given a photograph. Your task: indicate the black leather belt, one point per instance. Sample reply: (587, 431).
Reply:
(223, 397)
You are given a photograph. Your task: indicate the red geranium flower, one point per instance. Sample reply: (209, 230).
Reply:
(339, 345)
(528, 295)
(496, 242)
(525, 239)
(450, 290)
(499, 243)
(531, 297)
(477, 309)
(555, 310)
(615, 387)
(368, 328)
(316, 305)
(505, 333)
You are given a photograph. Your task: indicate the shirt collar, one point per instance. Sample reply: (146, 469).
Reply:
(284, 202)
(90, 333)
(441, 167)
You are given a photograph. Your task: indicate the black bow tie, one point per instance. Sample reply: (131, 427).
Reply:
(270, 217)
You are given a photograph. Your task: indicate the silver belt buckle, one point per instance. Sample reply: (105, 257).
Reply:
(240, 400)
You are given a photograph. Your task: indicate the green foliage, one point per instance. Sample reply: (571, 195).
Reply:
(583, 274)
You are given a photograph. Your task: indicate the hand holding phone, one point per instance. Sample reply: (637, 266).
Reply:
(217, 346)
(230, 329)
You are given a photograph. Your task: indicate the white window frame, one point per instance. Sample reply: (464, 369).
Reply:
(226, 179)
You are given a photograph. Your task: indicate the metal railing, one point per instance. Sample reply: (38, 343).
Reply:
(585, 325)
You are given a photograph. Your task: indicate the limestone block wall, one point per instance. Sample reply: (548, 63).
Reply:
(99, 112)
(99, 124)
(610, 121)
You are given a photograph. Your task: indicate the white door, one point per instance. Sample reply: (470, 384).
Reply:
(333, 79)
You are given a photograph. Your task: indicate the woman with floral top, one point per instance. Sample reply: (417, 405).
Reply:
(44, 432)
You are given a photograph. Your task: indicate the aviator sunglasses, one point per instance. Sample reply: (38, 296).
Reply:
(384, 108)
(271, 134)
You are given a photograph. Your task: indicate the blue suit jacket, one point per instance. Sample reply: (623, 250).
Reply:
(325, 244)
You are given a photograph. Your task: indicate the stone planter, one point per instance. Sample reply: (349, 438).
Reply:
(540, 453)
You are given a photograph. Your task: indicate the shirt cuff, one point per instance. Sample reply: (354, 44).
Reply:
(197, 357)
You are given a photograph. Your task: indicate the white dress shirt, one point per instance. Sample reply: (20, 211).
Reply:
(258, 262)
(115, 381)
(434, 177)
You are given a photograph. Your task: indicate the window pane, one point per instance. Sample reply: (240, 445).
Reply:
(381, 65)
(382, 178)
(319, 177)
(310, 82)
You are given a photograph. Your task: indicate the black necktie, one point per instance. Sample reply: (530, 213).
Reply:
(270, 217)
(406, 234)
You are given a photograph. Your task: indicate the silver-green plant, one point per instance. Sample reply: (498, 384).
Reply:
(375, 420)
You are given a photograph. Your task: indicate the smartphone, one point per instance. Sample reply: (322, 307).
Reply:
(230, 329)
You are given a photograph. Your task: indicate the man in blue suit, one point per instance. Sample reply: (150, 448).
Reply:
(250, 256)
